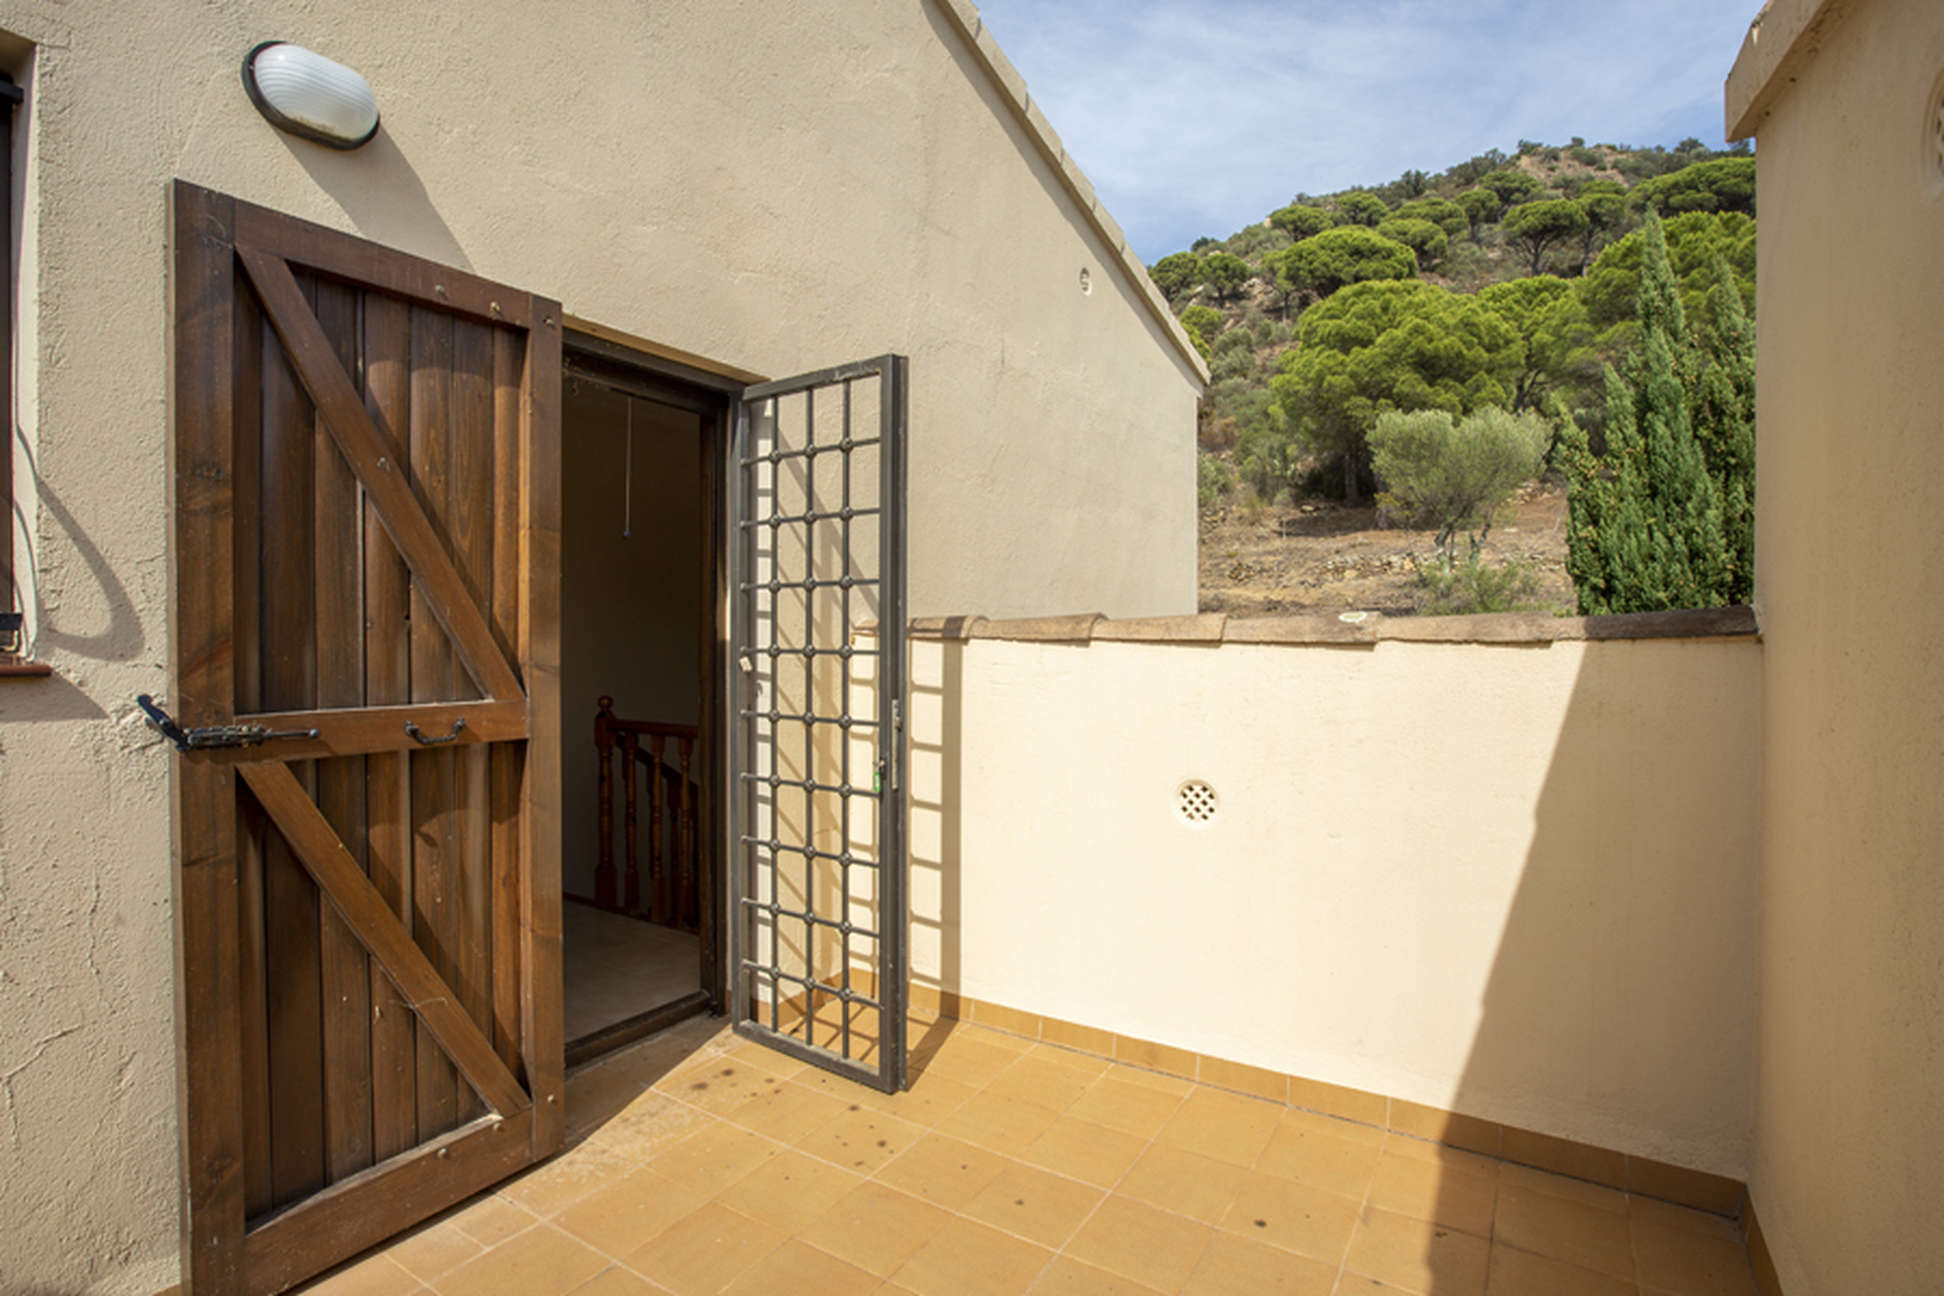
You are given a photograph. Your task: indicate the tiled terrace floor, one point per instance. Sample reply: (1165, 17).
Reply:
(699, 1162)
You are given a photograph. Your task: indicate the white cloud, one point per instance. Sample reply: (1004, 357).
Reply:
(1200, 118)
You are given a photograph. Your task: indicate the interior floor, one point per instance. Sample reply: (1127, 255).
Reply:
(617, 967)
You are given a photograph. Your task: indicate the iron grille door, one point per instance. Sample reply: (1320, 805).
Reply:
(816, 702)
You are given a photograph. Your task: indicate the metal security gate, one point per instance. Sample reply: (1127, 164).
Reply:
(816, 824)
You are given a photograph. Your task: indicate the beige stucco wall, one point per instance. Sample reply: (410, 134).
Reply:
(1849, 1167)
(1518, 882)
(777, 187)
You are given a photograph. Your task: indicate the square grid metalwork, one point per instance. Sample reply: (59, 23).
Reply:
(816, 696)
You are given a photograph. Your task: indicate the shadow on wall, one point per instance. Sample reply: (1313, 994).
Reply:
(379, 190)
(937, 698)
(120, 638)
(1616, 1032)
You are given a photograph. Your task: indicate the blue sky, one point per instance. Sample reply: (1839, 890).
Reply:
(1200, 118)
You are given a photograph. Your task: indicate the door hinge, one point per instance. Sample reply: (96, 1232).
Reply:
(208, 736)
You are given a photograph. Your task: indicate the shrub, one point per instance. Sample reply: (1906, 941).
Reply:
(1455, 475)
(1213, 481)
(1472, 586)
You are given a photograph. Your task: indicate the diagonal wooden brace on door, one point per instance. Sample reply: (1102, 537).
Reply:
(377, 928)
(375, 462)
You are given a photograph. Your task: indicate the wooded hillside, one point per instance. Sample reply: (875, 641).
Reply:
(1505, 281)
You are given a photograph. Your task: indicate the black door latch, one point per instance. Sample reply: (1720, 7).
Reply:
(211, 735)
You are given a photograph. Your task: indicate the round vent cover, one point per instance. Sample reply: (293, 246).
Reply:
(1196, 802)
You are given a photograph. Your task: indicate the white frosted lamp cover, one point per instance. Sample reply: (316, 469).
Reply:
(309, 95)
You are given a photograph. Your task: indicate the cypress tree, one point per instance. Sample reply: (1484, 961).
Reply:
(1663, 518)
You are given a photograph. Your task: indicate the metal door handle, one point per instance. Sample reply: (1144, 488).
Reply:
(209, 736)
(418, 734)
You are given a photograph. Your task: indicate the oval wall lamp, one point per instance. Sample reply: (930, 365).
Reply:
(310, 96)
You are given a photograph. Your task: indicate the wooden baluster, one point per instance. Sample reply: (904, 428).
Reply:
(658, 880)
(604, 747)
(685, 857)
(631, 881)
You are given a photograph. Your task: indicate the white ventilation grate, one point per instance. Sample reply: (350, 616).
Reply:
(1196, 802)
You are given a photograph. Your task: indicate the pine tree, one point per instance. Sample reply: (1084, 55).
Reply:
(1664, 517)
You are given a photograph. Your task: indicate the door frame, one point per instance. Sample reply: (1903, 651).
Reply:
(649, 375)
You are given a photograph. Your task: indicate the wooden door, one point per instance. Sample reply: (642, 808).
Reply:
(367, 506)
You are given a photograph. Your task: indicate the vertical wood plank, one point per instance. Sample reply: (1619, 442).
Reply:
(540, 571)
(434, 793)
(684, 888)
(289, 681)
(505, 767)
(469, 516)
(388, 681)
(657, 835)
(209, 1062)
(344, 971)
(246, 543)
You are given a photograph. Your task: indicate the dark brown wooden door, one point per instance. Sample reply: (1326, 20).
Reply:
(367, 509)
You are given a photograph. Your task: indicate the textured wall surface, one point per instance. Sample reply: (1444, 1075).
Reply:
(1516, 882)
(1850, 1133)
(777, 187)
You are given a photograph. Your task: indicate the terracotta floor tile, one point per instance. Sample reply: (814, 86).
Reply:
(966, 1258)
(860, 1139)
(1222, 1125)
(554, 1185)
(1588, 1236)
(1428, 1190)
(1237, 1266)
(1333, 1126)
(1646, 1212)
(1147, 1079)
(1418, 1256)
(1418, 1149)
(875, 1227)
(617, 1282)
(1085, 1151)
(704, 1251)
(943, 1170)
(1293, 1216)
(1000, 1124)
(785, 1109)
(717, 1083)
(1038, 1206)
(789, 1190)
(490, 1219)
(1519, 1273)
(622, 1215)
(542, 1261)
(1069, 1277)
(1184, 1182)
(1130, 1108)
(976, 1062)
(714, 1157)
(652, 1122)
(1050, 1084)
(1688, 1253)
(1137, 1241)
(377, 1275)
(433, 1250)
(929, 1100)
(1092, 1065)
(1575, 1190)
(1301, 1152)
(762, 1055)
(799, 1269)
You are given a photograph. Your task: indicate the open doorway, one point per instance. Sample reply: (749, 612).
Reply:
(640, 866)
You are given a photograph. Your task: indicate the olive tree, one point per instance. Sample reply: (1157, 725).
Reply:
(1455, 474)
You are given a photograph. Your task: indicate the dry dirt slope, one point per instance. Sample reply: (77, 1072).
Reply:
(1322, 556)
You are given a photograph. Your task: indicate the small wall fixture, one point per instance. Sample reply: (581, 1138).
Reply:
(310, 96)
